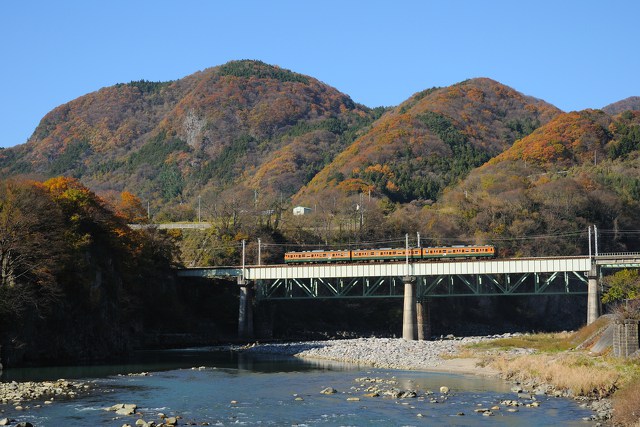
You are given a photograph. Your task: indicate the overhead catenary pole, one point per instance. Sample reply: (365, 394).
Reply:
(589, 243)
(418, 234)
(199, 217)
(406, 236)
(595, 238)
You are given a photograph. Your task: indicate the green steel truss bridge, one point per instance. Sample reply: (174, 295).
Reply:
(419, 282)
(434, 279)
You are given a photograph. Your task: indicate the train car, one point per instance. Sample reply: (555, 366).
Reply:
(385, 254)
(483, 251)
(318, 256)
(389, 254)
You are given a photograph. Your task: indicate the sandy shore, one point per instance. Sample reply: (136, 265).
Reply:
(389, 353)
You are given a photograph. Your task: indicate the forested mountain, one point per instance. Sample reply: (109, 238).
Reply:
(432, 140)
(579, 169)
(168, 141)
(475, 161)
(631, 103)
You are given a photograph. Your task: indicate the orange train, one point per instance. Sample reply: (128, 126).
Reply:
(388, 254)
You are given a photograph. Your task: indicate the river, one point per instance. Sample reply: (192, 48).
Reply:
(224, 388)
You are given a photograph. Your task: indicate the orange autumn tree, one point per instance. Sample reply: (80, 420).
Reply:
(130, 208)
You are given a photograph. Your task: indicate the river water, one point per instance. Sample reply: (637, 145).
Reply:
(230, 389)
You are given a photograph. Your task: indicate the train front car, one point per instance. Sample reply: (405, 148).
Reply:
(319, 256)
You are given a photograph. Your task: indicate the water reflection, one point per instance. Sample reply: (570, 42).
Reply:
(163, 360)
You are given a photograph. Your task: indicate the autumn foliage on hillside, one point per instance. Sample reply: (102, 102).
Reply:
(216, 128)
(70, 266)
(570, 139)
(581, 168)
(629, 104)
(432, 140)
(473, 162)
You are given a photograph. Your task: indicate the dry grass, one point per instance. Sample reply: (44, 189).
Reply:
(556, 359)
(626, 405)
(552, 343)
(583, 375)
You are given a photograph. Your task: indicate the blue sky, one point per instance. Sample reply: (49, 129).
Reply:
(573, 54)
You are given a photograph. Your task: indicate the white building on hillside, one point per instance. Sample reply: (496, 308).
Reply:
(301, 210)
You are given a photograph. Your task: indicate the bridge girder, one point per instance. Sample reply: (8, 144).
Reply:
(455, 285)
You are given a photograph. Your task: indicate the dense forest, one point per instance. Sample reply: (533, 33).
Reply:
(76, 283)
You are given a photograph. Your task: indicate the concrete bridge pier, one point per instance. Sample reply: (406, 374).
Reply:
(593, 303)
(409, 319)
(423, 315)
(245, 309)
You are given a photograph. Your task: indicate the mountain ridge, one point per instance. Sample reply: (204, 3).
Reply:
(250, 127)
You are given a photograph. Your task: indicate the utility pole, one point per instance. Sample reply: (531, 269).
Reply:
(361, 213)
(243, 247)
(259, 252)
(148, 210)
(589, 243)
(199, 217)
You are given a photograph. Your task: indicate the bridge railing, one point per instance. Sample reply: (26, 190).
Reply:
(618, 255)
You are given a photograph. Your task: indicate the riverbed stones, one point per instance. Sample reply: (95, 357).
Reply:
(444, 390)
(5, 421)
(15, 392)
(409, 394)
(123, 408)
(328, 390)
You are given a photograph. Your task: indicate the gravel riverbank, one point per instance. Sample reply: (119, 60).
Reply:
(388, 353)
(15, 392)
